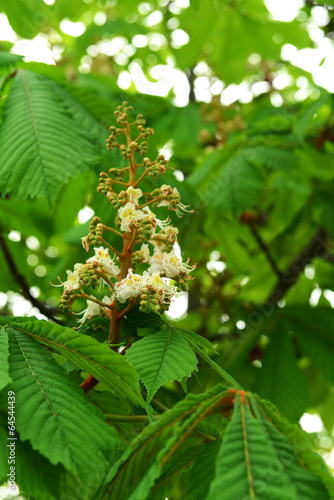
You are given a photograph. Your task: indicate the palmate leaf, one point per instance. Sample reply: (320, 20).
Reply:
(149, 324)
(55, 416)
(162, 357)
(280, 379)
(179, 434)
(256, 461)
(4, 365)
(152, 452)
(41, 142)
(91, 356)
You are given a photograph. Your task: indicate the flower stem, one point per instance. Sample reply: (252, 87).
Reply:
(154, 200)
(92, 299)
(112, 230)
(105, 278)
(131, 304)
(111, 248)
(140, 178)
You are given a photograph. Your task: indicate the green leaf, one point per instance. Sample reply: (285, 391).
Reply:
(255, 461)
(35, 476)
(179, 434)
(55, 416)
(235, 186)
(327, 414)
(162, 357)
(223, 373)
(88, 354)
(4, 365)
(152, 452)
(197, 339)
(271, 158)
(312, 327)
(280, 380)
(7, 59)
(41, 142)
(299, 441)
(308, 113)
(202, 472)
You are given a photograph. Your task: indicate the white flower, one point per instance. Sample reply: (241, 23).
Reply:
(104, 261)
(108, 300)
(144, 253)
(157, 283)
(92, 309)
(85, 243)
(78, 267)
(156, 222)
(167, 233)
(134, 194)
(170, 232)
(129, 216)
(173, 200)
(72, 282)
(130, 286)
(168, 264)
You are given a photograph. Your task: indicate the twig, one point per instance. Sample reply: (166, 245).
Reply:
(264, 247)
(328, 258)
(45, 309)
(89, 384)
(159, 405)
(315, 248)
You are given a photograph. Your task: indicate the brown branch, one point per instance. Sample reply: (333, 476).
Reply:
(45, 309)
(328, 258)
(191, 80)
(315, 248)
(264, 247)
(89, 384)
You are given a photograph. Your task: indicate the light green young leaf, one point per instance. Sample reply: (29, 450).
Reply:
(41, 142)
(88, 354)
(56, 417)
(162, 357)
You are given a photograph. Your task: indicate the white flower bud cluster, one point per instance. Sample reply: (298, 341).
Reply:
(153, 286)
(165, 275)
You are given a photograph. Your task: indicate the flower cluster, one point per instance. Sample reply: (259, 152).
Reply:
(144, 268)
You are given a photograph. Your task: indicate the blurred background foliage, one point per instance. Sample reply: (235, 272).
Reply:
(241, 103)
